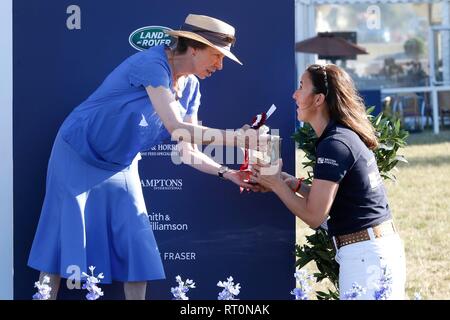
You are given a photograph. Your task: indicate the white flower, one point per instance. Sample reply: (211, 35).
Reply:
(179, 292)
(302, 278)
(94, 292)
(43, 289)
(230, 289)
(355, 292)
(384, 285)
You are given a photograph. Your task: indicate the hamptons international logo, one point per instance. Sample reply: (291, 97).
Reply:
(163, 184)
(150, 36)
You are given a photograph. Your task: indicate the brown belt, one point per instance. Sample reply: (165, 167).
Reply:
(383, 229)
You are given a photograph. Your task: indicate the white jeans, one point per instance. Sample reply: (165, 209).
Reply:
(362, 262)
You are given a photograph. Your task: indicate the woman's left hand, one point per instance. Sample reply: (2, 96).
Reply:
(267, 175)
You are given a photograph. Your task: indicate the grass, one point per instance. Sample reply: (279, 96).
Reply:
(420, 204)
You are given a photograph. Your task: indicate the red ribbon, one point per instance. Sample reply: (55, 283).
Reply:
(257, 122)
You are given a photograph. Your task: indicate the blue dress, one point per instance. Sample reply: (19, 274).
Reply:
(94, 211)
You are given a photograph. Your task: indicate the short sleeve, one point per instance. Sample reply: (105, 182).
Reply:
(149, 72)
(333, 160)
(195, 95)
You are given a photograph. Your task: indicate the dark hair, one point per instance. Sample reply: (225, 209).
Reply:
(181, 44)
(344, 103)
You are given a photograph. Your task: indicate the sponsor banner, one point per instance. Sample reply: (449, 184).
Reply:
(165, 222)
(205, 228)
(150, 36)
(161, 150)
(163, 184)
(178, 256)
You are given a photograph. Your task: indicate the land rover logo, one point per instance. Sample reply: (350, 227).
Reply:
(146, 37)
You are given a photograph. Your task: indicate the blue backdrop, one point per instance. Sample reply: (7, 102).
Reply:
(220, 232)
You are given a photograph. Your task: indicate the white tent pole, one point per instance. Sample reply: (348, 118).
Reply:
(446, 42)
(434, 100)
(6, 150)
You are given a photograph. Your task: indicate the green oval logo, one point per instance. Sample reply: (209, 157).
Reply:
(146, 37)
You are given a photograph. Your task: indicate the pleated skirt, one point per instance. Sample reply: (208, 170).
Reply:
(94, 217)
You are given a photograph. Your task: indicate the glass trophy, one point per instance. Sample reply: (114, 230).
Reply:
(269, 153)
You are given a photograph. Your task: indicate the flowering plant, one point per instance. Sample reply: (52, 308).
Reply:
(384, 285)
(302, 291)
(230, 289)
(355, 292)
(383, 288)
(43, 289)
(94, 292)
(179, 292)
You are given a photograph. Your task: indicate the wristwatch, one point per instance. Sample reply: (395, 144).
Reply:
(222, 171)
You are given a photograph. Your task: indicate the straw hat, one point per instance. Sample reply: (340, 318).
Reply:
(210, 31)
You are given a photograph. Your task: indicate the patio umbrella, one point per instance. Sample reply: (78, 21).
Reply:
(327, 44)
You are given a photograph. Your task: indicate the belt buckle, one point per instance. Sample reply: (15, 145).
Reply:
(384, 229)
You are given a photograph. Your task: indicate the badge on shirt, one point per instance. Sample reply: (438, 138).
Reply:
(327, 161)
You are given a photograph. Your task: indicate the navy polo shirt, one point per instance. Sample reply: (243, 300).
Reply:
(361, 201)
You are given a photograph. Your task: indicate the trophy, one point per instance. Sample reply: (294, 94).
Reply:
(270, 151)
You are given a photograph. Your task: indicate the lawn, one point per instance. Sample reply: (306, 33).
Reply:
(420, 203)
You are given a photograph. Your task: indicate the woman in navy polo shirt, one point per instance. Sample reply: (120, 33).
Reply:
(347, 185)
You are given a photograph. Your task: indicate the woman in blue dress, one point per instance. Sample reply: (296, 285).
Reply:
(94, 211)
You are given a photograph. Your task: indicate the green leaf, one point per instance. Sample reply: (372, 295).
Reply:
(378, 119)
(303, 261)
(401, 158)
(322, 294)
(397, 126)
(324, 255)
(388, 175)
(385, 146)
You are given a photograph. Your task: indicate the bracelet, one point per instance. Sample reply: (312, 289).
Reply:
(299, 184)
